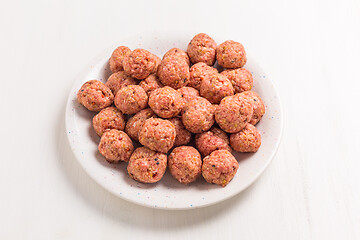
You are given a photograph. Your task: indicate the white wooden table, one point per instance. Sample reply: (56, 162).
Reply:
(310, 49)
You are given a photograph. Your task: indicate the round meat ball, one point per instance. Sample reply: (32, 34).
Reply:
(258, 106)
(188, 93)
(216, 88)
(117, 57)
(157, 134)
(199, 72)
(150, 83)
(94, 95)
(219, 167)
(247, 140)
(147, 166)
(173, 72)
(212, 140)
(183, 136)
(136, 122)
(240, 78)
(107, 119)
(231, 54)
(115, 146)
(198, 115)
(131, 99)
(202, 48)
(233, 113)
(177, 53)
(140, 63)
(166, 102)
(118, 80)
(185, 164)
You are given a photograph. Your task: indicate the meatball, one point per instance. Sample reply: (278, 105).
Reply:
(107, 119)
(199, 72)
(258, 106)
(94, 95)
(216, 88)
(158, 134)
(140, 63)
(173, 72)
(188, 93)
(150, 83)
(219, 167)
(136, 122)
(131, 99)
(147, 166)
(183, 136)
(166, 102)
(118, 80)
(231, 54)
(240, 78)
(115, 146)
(185, 164)
(247, 140)
(198, 115)
(117, 57)
(177, 53)
(233, 113)
(202, 48)
(212, 140)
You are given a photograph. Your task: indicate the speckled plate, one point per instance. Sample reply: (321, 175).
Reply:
(168, 193)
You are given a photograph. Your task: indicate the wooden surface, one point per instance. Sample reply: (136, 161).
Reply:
(310, 49)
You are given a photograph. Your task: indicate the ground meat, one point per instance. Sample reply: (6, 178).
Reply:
(188, 93)
(94, 95)
(185, 164)
(115, 146)
(212, 140)
(140, 63)
(231, 54)
(166, 102)
(233, 113)
(198, 115)
(247, 140)
(199, 72)
(150, 83)
(107, 119)
(173, 72)
(146, 165)
(136, 122)
(240, 78)
(131, 99)
(117, 57)
(219, 167)
(183, 136)
(118, 80)
(177, 53)
(202, 48)
(258, 106)
(158, 134)
(157, 63)
(216, 88)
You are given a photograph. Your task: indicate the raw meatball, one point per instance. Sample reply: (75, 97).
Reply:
(198, 115)
(233, 113)
(185, 164)
(173, 72)
(118, 80)
(216, 88)
(158, 134)
(177, 53)
(219, 167)
(117, 57)
(107, 119)
(212, 140)
(231, 54)
(136, 122)
(116, 146)
(240, 78)
(202, 48)
(247, 140)
(183, 136)
(131, 99)
(258, 106)
(146, 165)
(94, 95)
(199, 72)
(140, 63)
(150, 83)
(166, 102)
(188, 93)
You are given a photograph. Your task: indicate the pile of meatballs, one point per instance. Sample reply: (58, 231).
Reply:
(162, 103)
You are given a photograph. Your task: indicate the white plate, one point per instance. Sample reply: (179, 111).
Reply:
(168, 193)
